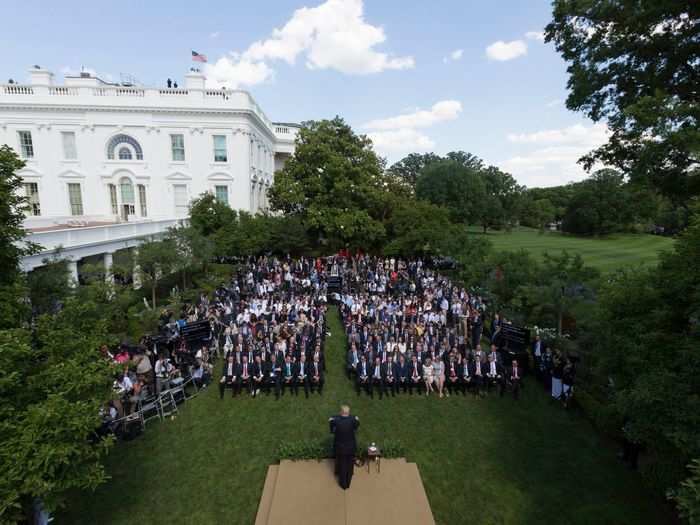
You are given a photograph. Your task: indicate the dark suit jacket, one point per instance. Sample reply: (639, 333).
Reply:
(343, 429)
(410, 370)
(297, 370)
(385, 371)
(402, 370)
(312, 373)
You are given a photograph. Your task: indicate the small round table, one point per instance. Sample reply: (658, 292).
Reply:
(374, 454)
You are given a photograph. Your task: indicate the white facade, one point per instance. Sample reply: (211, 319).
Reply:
(100, 155)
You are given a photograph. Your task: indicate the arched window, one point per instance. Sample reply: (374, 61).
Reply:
(118, 144)
(124, 153)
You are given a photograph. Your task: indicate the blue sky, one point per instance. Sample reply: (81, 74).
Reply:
(416, 76)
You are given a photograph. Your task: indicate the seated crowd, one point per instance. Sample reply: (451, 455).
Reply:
(410, 329)
(269, 324)
(274, 336)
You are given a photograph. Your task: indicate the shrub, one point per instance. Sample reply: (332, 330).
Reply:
(309, 449)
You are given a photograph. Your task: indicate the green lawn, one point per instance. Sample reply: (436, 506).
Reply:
(605, 253)
(520, 463)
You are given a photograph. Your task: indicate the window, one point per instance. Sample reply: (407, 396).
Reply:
(113, 199)
(180, 194)
(75, 198)
(177, 146)
(124, 153)
(220, 148)
(31, 190)
(128, 201)
(221, 194)
(26, 146)
(70, 152)
(142, 200)
(121, 141)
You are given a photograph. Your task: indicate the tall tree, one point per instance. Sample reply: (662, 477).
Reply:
(455, 186)
(599, 205)
(503, 198)
(153, 260)
(335, 184)
(634, 65)
(409, 168)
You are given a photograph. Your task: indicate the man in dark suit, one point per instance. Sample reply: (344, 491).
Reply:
(515, 377)
(288, 377)
(273, 376)
(402, 374)
(352, 360)
(316, 375)
(228, 377)
(343, 428)
(452, 381)
(376, 379)
(245, 374)
(415, 375)
(495, 374)
(258, 376)
(301, 372)
(389, 378)
(362, 378)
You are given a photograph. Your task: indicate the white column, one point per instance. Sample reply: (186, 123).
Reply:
(137, 271)
(108, 262)
(73, 273)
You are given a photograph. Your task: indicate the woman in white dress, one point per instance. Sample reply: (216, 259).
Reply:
(439, 374)
(428, 376)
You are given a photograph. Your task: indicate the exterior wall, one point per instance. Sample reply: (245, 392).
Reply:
(96, 112)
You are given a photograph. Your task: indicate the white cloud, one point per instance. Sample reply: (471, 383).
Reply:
(215, 34)
(554, 102)
(332, 35)
(535, 35)
(576, 134)
(441, 111)
(403, 140)
(555, 158)
(454, 56)
(233, 73)
(503, 51)
(395, 135)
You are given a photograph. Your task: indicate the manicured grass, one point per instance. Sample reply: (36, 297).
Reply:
(519, 463)
(605, 253)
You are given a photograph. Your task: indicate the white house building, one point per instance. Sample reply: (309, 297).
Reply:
(108, 164)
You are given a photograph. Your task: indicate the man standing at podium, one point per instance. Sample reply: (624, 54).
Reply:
(343, 428)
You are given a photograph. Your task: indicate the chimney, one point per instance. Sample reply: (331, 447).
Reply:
(194, 80)
(40, 77)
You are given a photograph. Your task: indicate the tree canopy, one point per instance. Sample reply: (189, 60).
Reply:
(634, 65)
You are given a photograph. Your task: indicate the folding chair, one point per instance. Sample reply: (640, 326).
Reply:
(190, 382)
(148, 409)
(167, 403)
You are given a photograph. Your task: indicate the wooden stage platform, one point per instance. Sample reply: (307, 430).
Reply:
(306, 492)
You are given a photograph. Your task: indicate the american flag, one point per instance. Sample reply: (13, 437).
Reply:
(198, 57)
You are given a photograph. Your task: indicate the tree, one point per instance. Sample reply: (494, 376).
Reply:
(537, 213)
(49, 285)
(634, 65)
(13, 245)
(458, 188)
(208, 215)
(599, 205)
(409, 168)
(562, 283)
(192, 251)
(418, 229)
(503, 198)
(335, 184)
(50, 396)
(153, 260)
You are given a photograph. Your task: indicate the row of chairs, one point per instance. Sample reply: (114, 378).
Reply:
(158, 406)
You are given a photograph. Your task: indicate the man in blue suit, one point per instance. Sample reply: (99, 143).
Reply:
(343, 428)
